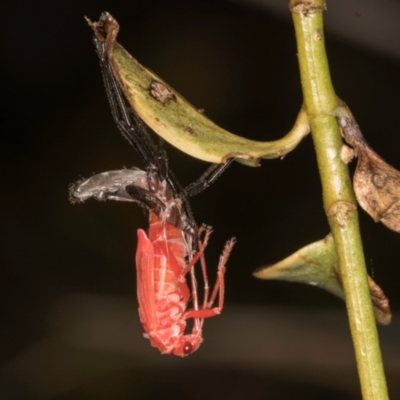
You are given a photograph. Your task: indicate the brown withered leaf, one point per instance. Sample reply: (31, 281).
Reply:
(376, 183)
(380, 302)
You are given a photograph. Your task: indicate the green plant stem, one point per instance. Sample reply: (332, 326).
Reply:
(339, 201)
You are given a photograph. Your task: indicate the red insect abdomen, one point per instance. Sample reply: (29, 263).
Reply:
(169, 250)
(162, 295)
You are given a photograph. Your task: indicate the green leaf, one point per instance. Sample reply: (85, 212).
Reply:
(317, 264)
(176, 120)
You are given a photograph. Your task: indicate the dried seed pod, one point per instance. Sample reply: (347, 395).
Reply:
(376, 183)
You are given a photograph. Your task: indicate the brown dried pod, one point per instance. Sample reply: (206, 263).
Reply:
(376, 183)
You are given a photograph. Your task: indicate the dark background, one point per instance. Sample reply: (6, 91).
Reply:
(239, 64)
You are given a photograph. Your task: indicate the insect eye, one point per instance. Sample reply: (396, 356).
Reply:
(187, 348)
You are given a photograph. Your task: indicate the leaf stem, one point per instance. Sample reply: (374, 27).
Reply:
(340, 205)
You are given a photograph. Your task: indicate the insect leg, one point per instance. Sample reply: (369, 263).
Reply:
(218, 290)
(129, 123)
(219, 287)
(200, 256)
(146, 198)
(203, 243)
(210, 175)
(193, 284)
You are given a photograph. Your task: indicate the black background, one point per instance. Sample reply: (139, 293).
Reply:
(237, 63)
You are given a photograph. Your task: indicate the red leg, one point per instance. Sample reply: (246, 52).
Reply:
(198, 255)
(198, 322)
(219, 288)
(203, 265)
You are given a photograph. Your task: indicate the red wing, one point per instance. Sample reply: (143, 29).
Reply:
(145, 281)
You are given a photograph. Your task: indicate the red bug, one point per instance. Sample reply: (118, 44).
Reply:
(173, 245)
(163, 293)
